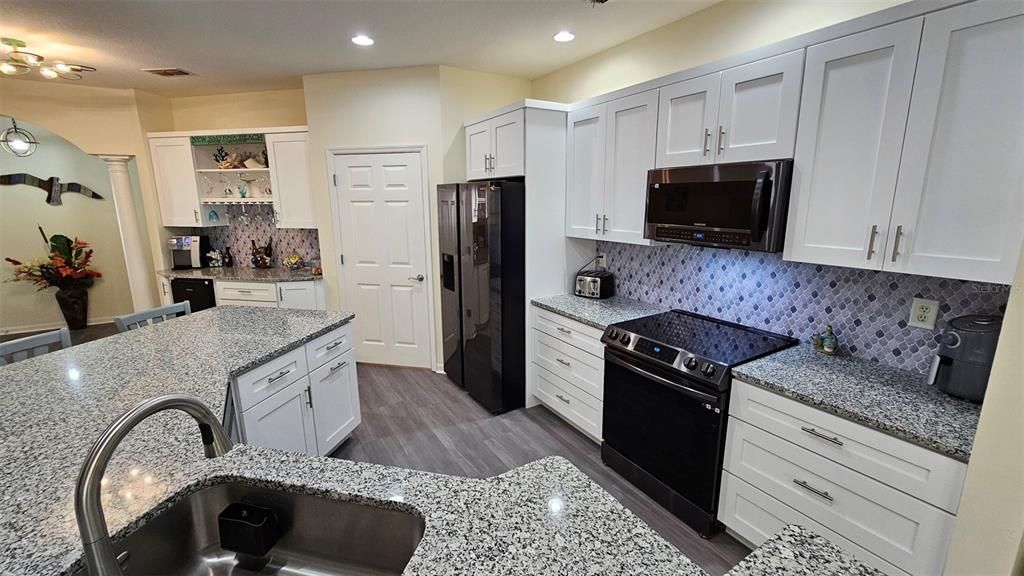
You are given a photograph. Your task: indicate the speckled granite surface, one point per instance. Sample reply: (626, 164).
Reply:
(55, 406)
(796, 551)
(898, 402)
(244, 274)
(597, 313)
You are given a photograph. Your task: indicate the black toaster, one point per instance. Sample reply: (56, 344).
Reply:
(595, 284)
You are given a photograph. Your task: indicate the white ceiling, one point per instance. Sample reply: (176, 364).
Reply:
(260, 45)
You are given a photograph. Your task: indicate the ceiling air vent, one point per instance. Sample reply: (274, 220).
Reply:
(167, 72)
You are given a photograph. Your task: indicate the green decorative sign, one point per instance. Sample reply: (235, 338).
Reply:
(221, 140)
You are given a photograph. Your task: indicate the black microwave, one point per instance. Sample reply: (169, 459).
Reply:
(740, 205)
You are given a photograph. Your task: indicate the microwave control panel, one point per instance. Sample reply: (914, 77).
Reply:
(671, 233)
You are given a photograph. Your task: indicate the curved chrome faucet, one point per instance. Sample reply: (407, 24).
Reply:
(99, 553)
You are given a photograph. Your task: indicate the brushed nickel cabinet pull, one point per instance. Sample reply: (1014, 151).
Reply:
(337, 367)
(707, 141)
(335, 344)
(565, 330)
(195, 214)
(563, 362)
(280, 375)
(824, 494)
(562, 398)
(597, 223)
(896, 244)
(871, 241)
(605, 225)
(825, 437)
(721, 139)
(309, 397)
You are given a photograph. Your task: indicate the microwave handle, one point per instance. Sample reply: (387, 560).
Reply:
(757, 206)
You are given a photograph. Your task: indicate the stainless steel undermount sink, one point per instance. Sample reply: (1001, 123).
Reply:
(321, 537)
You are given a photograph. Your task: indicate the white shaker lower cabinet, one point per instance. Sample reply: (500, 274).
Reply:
(888, 502)
(284, 405)
(566, 372)
(300, 295)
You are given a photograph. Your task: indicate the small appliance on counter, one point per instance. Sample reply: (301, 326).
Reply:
(189, 251)
(597, 283)
(964, 361)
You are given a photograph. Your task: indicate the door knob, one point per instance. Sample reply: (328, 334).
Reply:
(418, 277)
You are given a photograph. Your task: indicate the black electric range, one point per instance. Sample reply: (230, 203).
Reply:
(666, 401)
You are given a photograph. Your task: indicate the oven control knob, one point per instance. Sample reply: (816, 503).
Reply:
(625, 339)
(690, 363)
(708, 369)
(613, 334)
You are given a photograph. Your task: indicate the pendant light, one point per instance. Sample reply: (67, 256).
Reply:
(18, 141)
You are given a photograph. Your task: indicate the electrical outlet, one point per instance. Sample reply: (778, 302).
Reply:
(923, 313)
(602, 261)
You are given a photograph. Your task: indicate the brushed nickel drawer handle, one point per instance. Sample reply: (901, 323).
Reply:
(280, 375)
(562, 398)
(337, 366)
(707, 141)
(309, 396)
(824, 494)
(335, 344)
(825, 437)
(564, 330)
(721, 139)
(563, 362)
(597, 223)
(244, 291)
(896, 244)
(871, 241)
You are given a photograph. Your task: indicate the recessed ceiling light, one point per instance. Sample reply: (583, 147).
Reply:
(48, 73)
(564, 36)
(362, 40)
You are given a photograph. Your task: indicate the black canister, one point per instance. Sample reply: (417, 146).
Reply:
(965, 355)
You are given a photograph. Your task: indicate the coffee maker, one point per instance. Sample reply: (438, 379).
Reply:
(965, 356)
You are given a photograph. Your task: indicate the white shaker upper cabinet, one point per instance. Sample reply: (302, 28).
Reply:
(289, 178)
(629, 149)
(856, 94)
(478, 150)
(175, 174)
(758, 109)
(585, 172)
(507, 144)
(688, 123)
(959, 210)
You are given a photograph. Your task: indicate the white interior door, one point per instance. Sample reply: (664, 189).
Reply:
(853, 113)
(385, 247)
(758, 109)
(959, 210)
(688, 122)
(632, 129)
(584, 186)
(508, 146)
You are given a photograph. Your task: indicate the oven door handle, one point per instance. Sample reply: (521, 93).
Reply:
(685, 390)
(757, 205)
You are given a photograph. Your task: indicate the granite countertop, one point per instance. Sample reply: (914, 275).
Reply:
(796, 551)
(244, 274)
(597, 313)
(56, 405)
(898, 402)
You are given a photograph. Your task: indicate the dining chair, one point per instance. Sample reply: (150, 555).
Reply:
(32, 346)
(152, 316)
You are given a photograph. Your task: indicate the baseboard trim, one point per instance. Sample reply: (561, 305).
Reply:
(6, 330)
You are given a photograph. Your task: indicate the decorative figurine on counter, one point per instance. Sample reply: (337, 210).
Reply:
(215, 258)
(293, 261)
(261, 254)
(826, 342)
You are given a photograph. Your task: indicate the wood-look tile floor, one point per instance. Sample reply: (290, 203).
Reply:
(413, 418)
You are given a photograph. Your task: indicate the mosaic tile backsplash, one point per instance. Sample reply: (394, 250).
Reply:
(868, 310)
(257, 223)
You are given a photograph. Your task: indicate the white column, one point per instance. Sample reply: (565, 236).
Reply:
(133, 242)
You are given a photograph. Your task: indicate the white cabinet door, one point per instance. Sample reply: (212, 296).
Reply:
(478, 151)
(175, 174)
(959, 210)
(758, 109)
(508, 144)
(165, 292)
(852, 116)
(631, 135)
(283, 421)
(289, 177)
(585, 172)
(335, 396)
(297, 295)
(688, 121)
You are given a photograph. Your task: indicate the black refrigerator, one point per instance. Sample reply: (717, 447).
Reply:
(483, 289)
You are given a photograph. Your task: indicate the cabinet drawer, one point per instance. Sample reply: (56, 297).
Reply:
(586, 338)
(580, 410)
(263, 381)
(249, 291)
(909, 533)
(756, 516)
(581, 369)
(253, 303)
(329, 346)
(917, 471)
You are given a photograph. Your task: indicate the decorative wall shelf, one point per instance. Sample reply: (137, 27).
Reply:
(260, 200)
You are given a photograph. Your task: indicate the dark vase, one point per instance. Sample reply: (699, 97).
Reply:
(74, 304)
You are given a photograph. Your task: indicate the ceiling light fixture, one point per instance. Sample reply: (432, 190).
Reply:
(564, 36)
(18, 141)
(362, 40)
(18, 62)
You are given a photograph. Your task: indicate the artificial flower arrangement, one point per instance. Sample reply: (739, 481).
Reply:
(67, 266)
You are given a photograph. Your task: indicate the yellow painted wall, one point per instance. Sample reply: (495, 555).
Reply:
(724, 29)
(241, 110)
(989, 536)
